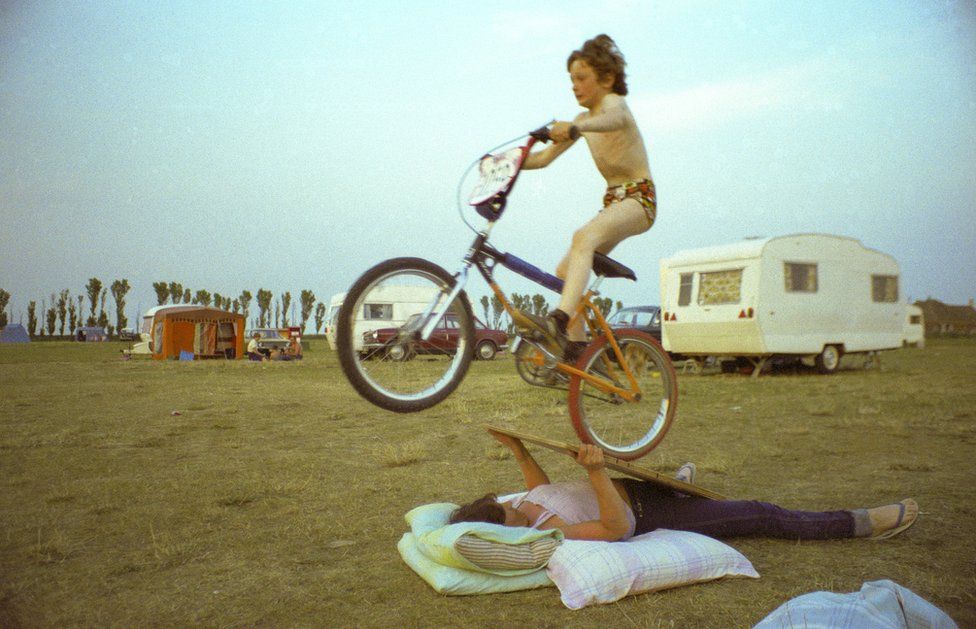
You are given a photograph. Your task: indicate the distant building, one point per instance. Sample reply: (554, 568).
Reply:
(943, 318)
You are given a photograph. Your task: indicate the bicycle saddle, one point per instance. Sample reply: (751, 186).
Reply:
(608, 267)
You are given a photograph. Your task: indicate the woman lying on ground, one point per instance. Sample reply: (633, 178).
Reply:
(602, 508)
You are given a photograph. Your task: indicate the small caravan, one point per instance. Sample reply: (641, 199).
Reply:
(914, 334)
(388, 306)
(814, 296)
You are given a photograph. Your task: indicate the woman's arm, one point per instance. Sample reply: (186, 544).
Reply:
(531, 472)
(613, 523)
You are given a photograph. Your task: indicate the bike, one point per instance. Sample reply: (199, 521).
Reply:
(622, 389)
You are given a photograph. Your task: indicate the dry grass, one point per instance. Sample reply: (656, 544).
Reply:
(276, 496)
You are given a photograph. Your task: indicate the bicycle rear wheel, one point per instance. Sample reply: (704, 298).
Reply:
(378, 335)
(626, 430)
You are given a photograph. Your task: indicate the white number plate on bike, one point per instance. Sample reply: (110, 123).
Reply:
(496, 175)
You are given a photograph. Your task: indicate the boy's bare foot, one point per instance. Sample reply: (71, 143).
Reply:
(890, 520)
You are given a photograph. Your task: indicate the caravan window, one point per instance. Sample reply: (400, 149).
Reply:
(720, 287)
(684, 295)
(884, 288)
(383, 312)
(800, 278)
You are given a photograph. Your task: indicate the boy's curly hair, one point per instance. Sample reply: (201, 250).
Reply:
(602, 54)
(484, 509)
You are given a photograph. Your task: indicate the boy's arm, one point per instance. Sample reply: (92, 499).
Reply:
(613, 116)
(541, 159)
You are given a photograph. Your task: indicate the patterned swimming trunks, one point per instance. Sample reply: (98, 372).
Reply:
(642, 191)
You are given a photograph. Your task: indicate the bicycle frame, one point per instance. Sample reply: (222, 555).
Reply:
(485, 258)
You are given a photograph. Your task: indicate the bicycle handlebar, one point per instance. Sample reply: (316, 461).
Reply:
(542, 134)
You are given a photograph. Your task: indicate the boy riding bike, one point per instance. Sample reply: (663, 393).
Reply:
(629, 205)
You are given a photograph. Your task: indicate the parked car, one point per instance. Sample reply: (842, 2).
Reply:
(271, 338)
(127, 334)
(644, 318)
(444, 340)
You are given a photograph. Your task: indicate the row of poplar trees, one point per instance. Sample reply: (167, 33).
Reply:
(64, 311)
(176, 293)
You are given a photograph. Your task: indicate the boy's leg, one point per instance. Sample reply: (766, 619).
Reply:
(605, 231)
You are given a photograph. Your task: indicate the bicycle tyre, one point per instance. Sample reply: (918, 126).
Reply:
(433, 373)
(619, 427)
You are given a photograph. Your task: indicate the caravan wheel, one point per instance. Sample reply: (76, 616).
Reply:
(829, 359)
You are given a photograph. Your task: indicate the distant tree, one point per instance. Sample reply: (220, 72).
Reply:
(319, 316)
(620, 305)
(236, 305)
(63, 298)
(119, 290)
(202, 297)
(102, 320)
(186, 296)
(485, 307)
(4, 300)
(277, 312)
(539, 305)
(94, 289)
(497, 310)
(604, 304)
(264, 304)
(162, 292)
(52, 319)
(32, 317)
(285, 305)
(72, 316)
(245, 303)
(519, 302)
(81, 310)
(307, 299)
(102, 317)
(177, 293)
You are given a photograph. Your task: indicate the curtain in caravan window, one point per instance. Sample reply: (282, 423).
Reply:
(800, 278)
(720, 287)
(382, 312)
(684, 294)
(884, 288)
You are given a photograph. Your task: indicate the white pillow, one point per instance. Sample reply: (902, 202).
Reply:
(502, 550)
(588, 573)
(456, 581)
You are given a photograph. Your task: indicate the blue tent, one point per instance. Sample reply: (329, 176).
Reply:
(14, 333)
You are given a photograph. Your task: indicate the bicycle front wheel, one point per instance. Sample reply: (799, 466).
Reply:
(625, 429)
(379, 335)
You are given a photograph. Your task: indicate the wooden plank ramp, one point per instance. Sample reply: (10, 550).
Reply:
(613, 463)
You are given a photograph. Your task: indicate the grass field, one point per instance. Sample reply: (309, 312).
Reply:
(268, 494)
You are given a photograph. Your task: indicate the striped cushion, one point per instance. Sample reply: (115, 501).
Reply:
(490, 555)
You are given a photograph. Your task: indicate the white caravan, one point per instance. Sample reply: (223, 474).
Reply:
(814, 296)
(331, 316)
(388, 307)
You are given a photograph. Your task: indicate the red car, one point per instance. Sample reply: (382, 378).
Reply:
(444, 340)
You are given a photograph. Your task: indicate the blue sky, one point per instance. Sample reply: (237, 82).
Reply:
(237, 145)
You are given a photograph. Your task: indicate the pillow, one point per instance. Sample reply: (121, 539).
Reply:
(455, 581)
(495, 557)
(587, 572)
(480, 546)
